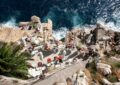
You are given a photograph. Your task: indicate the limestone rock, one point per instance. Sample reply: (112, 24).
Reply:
(80, 78)
(23, 23)
(106, 82)
(12, 81)
(105, 68)
(12, 35)
(33, 72)
(35, 19)
(116, 83)
(88, 74)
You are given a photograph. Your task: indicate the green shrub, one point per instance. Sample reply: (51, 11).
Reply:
(92, 68)
(12, 61)
(112, 78)
(116, 65)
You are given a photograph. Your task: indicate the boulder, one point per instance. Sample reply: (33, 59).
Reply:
(33, 72)
(24, 23)
(105, 68)
(35, 19)
(106, 82)
(80, 78)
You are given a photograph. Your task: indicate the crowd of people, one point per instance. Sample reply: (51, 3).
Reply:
(45, 56)
(35, 45)
(49, 55)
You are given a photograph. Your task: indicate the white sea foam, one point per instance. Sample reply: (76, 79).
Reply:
(60, 33)
(110, 25)
(10, 23)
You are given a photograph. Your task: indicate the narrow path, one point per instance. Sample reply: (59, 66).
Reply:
(61, 75)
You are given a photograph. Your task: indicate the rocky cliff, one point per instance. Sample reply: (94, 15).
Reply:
(12, 35)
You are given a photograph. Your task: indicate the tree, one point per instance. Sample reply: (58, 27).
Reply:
(12, 61)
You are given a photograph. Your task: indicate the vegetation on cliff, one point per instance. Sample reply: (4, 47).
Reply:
(12, 61)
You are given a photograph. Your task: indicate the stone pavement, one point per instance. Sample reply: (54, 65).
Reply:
(61, 75)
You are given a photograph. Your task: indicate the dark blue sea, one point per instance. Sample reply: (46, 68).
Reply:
(63, 13)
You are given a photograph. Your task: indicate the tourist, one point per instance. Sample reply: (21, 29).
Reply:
(75, 60)
(64, 54)
(42, 69)
(49, 60)
(46, 47)
(55, 60)
(24, 40)
(60, 57)
(88, 40)
(54, 49)
(35, 40)
(90, 51)
(42, 76)
(39, 64)
(40, 54)
(34, 52)
(55, 83)
(69, 81)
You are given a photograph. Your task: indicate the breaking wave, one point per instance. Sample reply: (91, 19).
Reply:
(69, 13)
(10, 23)
(59, 34)
(65, 14)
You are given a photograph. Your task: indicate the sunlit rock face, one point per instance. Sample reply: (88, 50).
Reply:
(64, 13)
(12, 35)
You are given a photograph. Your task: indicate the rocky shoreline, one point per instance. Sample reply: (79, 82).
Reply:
(85, 56)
